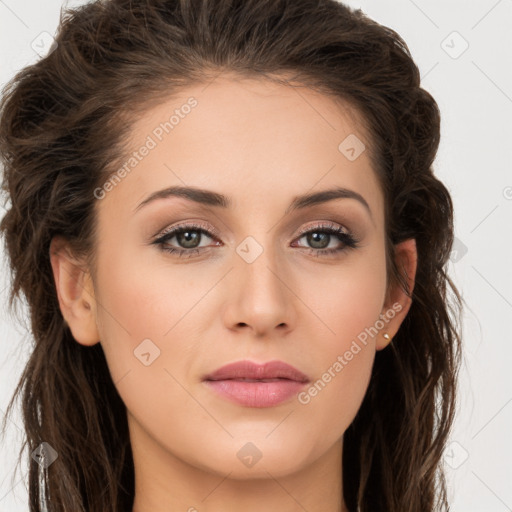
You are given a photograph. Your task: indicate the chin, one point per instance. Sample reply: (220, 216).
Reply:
(256, 459)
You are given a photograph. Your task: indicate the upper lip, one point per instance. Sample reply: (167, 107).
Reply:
(249, 370)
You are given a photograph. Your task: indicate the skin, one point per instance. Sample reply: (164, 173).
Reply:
(260, 144)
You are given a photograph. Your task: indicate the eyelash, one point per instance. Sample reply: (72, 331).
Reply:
(349, 241)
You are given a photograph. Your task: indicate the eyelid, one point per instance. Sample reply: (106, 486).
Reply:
(189, 224)
(323, 224)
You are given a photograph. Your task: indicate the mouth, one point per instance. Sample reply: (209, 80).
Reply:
(256, 385)
(256, 380)
(249, 371)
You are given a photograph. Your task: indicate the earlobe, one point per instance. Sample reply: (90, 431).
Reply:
(75, 292)
(398, 302)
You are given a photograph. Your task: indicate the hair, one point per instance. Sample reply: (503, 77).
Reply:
(64, 121)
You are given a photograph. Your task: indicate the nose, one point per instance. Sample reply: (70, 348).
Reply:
(261, 297)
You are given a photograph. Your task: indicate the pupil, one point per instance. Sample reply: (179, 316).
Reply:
(315, 239)
(186, 238)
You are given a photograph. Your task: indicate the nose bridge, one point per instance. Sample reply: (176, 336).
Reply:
(258, 263)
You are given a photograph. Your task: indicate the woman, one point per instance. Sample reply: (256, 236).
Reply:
(226, 225)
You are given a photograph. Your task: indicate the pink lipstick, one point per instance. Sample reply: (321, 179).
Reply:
(256, 385)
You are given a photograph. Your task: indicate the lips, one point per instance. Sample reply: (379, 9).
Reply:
(256, 385)
(249, 371)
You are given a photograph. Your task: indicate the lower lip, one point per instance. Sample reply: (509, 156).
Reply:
(256, 394)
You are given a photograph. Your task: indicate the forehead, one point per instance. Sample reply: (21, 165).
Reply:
(241, 106)
(250, 137)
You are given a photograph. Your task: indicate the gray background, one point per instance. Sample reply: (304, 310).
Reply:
(473, 88)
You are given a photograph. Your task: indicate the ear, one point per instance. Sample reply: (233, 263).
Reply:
(75, 292)
(397, 301)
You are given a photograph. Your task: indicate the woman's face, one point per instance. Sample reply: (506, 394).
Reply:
(258, 276)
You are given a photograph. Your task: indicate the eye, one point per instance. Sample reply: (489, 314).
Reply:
(322, 235)
(189, 237)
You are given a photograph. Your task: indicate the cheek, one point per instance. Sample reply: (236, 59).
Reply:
(146, 309)
(349, 303)
(344, 362)
(347, 297)
(147, 314)
(334, 397)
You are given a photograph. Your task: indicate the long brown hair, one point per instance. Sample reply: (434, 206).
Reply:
(63, 123)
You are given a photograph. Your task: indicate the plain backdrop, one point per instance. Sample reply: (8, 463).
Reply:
(464, 52)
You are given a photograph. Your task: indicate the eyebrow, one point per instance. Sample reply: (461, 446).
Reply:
(210, 198)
